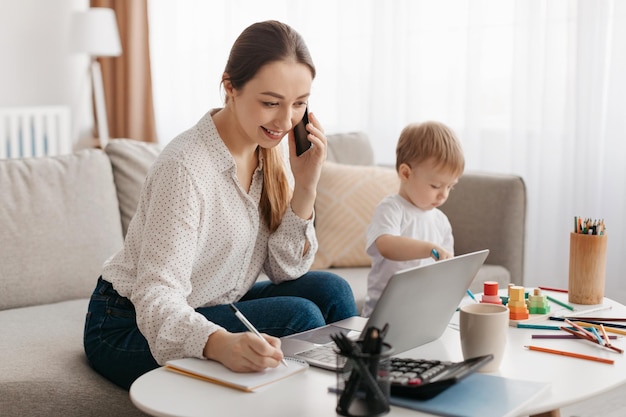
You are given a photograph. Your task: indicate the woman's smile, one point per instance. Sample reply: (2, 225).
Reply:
(272, 134)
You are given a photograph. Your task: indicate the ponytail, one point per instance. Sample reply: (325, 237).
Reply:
(275, 195)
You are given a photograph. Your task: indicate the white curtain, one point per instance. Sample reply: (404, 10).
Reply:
(532, 87)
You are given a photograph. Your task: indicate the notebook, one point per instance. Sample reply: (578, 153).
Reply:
(217, 373)
(417, 303)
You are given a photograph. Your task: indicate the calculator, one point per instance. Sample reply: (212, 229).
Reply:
(423, 379)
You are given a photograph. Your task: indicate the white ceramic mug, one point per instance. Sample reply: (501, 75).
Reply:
(484, 328)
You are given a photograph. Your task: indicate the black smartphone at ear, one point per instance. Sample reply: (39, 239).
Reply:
(300, 133)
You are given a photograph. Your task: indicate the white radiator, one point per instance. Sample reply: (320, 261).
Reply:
(34, 131)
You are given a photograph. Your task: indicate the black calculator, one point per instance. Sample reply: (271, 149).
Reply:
(423, 379)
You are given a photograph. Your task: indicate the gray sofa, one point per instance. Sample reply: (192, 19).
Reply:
(61, 217)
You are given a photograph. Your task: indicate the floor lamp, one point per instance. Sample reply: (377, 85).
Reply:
(95, 32)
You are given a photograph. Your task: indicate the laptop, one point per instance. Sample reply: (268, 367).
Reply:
(417, 303)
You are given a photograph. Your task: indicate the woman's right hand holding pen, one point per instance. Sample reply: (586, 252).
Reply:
(243, 352)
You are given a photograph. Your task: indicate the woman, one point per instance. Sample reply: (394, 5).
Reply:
(215, 211)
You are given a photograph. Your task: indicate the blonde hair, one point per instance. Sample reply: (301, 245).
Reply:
(276, 194)
(421, 141)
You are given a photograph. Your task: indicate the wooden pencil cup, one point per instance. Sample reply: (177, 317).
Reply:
(587, 268)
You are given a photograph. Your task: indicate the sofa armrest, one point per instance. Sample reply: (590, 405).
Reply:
(59, 221)
(488, 210)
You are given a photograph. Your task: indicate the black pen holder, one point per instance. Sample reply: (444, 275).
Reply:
(363, 383)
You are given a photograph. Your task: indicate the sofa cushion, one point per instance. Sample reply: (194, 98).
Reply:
(44, 368)
(346, 198)
(59, 221)
(352, 148)
(487, 211)
(130, 160)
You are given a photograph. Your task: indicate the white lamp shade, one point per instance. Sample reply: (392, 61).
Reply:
(95, 32)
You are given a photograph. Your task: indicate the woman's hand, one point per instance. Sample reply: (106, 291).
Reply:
(307, 168)
(243, 352)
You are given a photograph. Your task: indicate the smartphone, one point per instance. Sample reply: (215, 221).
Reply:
(300, 133)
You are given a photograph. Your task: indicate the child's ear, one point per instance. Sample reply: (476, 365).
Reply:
(404, 171)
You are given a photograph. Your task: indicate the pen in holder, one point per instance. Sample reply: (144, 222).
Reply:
(363, 382)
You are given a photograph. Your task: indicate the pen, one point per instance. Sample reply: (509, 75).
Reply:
(249, 326)
(471, 295)
(435, 253)
(384, 330)
(570, 354)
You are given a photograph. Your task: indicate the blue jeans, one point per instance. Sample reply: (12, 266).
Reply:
(116, 349)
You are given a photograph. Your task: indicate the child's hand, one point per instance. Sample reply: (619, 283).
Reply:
(439, 254)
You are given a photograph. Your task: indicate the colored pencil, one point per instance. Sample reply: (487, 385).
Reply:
(551, 289)
(578, 334)
(561, 303)
(592, 319)
(598, 337)
(617, 326)
(592, 339)
(570, 354)
(607, 328)
(606, 341)
(581, 329)
(606, 337)
(560, 336)
(537, 326)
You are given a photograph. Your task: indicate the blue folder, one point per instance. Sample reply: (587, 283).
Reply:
(479, 395)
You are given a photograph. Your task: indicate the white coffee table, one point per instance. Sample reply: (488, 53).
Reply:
(165, 393)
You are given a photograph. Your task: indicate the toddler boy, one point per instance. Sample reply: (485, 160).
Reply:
(407, 228)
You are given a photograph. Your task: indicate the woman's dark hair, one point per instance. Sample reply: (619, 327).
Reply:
(258, 45)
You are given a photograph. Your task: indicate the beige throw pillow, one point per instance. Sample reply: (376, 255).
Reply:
(131, 160)
(346, 198)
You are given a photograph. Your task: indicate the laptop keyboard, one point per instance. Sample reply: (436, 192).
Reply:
(323, 356)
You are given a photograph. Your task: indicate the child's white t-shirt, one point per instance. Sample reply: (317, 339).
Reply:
(396, 216)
